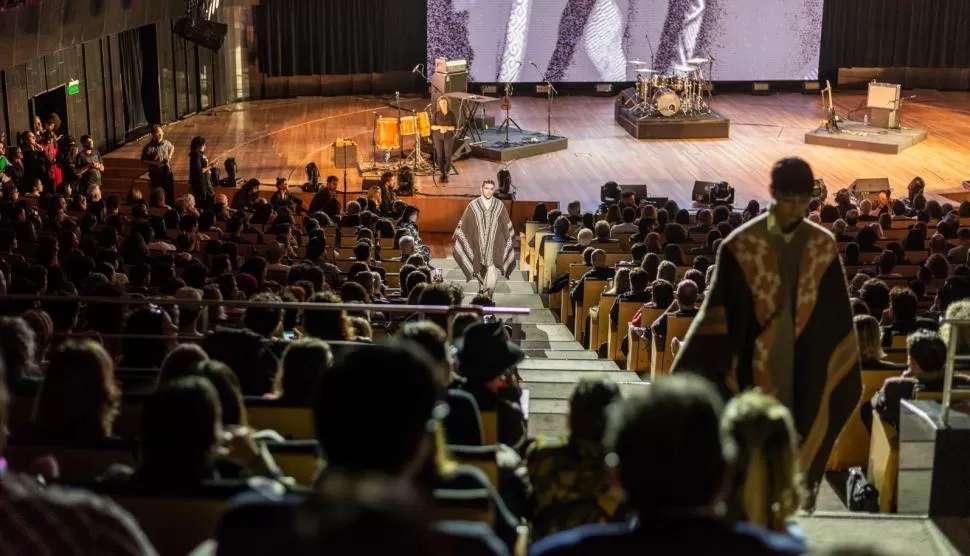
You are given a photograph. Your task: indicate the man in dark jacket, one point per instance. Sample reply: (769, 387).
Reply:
(599, 272)
(639, 280)
(248, 354)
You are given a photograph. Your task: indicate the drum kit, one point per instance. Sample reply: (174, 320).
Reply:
(687, 92)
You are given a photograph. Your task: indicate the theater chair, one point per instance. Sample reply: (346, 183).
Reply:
(852, 446)
(291, 422)
(619, 328)
(74, 464)
(883, 466)
(175, 525)
(591, 293)
(464, 505)
(662, 357)
(297, 458)
(599, 321)
(482, 457)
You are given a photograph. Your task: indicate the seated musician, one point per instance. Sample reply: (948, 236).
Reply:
(722, 194)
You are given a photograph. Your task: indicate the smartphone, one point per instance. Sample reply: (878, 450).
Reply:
(288, 335)
(437, 275)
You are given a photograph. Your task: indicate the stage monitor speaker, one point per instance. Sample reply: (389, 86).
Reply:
(702, 192)
(639, 190)
(869, 188)
(449, 83)
(209, 34)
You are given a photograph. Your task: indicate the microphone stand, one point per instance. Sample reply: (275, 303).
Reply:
(550, 91)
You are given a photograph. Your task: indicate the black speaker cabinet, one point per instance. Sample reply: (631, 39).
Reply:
(869, 188)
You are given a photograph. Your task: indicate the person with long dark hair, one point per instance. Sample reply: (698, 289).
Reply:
(199, 179)
(409, 224)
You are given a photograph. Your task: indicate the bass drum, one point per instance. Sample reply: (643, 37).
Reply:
(667, 102)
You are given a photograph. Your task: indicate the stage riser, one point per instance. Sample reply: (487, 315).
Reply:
(862, 137)
(714, 127)
(524, 151)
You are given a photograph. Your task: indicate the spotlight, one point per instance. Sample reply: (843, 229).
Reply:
(405, 182)
(505, 185)
(604, 88)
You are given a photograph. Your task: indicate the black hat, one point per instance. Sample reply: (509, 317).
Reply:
(485, 352)
(792, 176)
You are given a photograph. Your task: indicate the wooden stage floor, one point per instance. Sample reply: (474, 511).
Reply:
(279, 137)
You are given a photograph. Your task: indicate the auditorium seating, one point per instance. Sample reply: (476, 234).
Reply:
(852, 446)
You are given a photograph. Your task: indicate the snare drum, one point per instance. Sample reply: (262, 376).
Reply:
(667, 102)
(409, 125)
(387, 134)
(673, 82)
(424, 124)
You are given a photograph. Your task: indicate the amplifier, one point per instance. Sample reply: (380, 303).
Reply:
(345, 156)
(442, 65)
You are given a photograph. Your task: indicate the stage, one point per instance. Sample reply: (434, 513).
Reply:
(280, 137)
(862, 137)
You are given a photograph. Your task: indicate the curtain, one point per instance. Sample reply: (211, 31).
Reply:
(339, 37)
(129, 46)
(895, 33)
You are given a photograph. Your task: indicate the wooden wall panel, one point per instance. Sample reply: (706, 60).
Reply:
(94, 87)
(180, 76)
(77, 105)
(117, 97)
(192, 77)
(36, 77)
(15, 80)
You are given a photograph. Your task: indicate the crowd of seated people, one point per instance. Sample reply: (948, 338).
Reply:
(195, 373)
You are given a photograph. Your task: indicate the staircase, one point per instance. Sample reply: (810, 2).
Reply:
(554, 359)
(120, 174)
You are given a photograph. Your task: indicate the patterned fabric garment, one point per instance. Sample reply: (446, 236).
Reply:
(516, 40)
(484, 237)
(570, 486)
(811, 360)
(54, 520)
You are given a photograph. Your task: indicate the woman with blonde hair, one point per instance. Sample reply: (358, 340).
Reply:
(621, 283)
(767, 483)
(869, 333)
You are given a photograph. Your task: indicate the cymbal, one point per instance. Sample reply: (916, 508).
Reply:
(646, 70)
(637, 63)
(696, 61)
(687, 69)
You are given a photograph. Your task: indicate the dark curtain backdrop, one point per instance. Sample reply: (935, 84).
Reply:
(895, 33)
(339, 37)
(132, 69)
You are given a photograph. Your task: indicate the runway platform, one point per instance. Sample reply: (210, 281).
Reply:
(863, 137)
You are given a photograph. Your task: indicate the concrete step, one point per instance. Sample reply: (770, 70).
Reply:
(544, 332)
(537, 316)
(567, 345)
(593, 365)
(562, 391)
(548, 407)
(531, 376)
(454, 274)
(503, 287)
(553, 354)
(547, 424)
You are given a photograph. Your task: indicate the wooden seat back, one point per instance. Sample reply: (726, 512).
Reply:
(662, 357)
(290, 422)
(883, 469)
(599, 333)
(297, 458)
(75, 465)
(547, 264)
(852, 445)
(641, 349)
(618, 328)
(473, 505)
(591, 292)
(175, 526)
(489, 427)
(482, 457)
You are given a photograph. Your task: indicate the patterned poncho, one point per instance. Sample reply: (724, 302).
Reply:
(777, 317)
(485, 237)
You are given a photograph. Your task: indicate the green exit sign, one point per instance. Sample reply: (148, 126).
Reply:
(73, 87)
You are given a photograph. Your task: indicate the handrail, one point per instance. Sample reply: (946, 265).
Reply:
(381, 308)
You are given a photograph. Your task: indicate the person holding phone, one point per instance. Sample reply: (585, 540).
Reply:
(444, 123)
